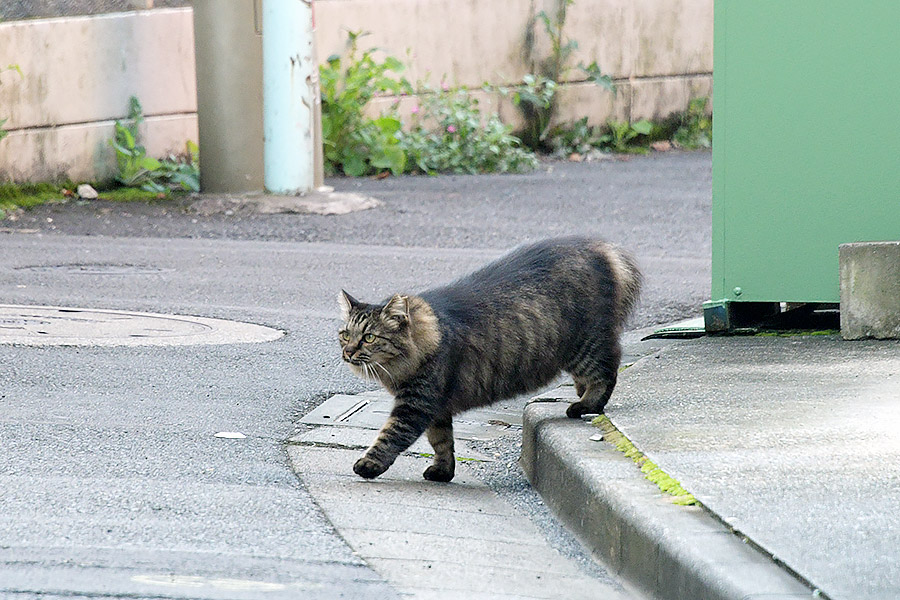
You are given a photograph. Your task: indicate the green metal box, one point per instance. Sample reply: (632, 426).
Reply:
(806, 146)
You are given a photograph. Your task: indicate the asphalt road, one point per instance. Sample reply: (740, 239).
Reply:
(111, 472)
(656, 206)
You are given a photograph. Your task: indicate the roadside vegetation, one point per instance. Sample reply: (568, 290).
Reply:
(424, 129)
(140, 178)
(446, 130)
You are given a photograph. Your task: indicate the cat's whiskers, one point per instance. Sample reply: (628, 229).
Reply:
(388, 373)
(365, 372)
(370, 373)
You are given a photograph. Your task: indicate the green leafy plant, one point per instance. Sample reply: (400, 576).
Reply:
(622, 136)
(578, 137)
(695, 130)
(183, 170)
(534, 98)
(462, 139)
(354, 143)
(136, 169)
(450, 133)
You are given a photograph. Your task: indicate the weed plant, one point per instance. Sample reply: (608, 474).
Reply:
(450, 133)
(463, 139)
(695, 129)
(355, 144)
(136, 169)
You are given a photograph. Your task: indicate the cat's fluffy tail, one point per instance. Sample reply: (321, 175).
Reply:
(628, 279)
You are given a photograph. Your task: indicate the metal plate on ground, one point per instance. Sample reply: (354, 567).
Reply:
(66, 326)
(369, 410)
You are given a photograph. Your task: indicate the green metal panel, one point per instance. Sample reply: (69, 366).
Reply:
(806, 147)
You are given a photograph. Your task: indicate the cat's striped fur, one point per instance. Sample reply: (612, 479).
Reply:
(507, 329)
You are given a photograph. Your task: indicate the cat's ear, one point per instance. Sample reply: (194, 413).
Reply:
(348, 303)
(395, 313)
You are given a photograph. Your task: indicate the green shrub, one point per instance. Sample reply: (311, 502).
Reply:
(354, 143)
(462, 139)
(450, 135)
(623, 136)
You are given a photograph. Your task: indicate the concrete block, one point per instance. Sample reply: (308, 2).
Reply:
(599, 105)
(83, 69)
(81, 152)
(471, 42)
(672, 552)
(468, 41)
(674, 37)
(658, 98)
(870, 290)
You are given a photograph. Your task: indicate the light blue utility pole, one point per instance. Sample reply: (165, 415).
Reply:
(289, 93)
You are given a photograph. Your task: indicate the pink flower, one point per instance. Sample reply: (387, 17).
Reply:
(451, 129)
(444, 86)
(415, 110)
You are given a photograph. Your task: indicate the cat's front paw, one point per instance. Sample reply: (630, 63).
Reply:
(577, 410)
(438, 473)
(368, 468)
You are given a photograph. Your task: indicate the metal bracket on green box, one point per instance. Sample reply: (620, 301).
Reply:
(728, 316)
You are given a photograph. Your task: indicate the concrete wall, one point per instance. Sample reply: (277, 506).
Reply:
(77, 76)
(659, 52)
(79, 72)
(11, 10)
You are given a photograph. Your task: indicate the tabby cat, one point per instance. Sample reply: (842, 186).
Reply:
(506, 329)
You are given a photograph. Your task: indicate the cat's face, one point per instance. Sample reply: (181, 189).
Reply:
(373, 336)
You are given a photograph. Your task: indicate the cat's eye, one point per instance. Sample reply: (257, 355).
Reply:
(344, 336)
(369, 338)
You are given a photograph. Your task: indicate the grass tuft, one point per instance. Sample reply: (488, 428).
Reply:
(131, 194)
(666, 483)
(15, 196)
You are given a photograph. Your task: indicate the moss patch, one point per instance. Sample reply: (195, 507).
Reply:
(27, 195)
(130, 194)
(652, 472)
(796, 332)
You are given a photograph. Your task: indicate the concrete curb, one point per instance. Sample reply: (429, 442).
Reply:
(668, 551)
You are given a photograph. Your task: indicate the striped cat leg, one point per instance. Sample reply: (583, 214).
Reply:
(408, 421)
(595, 371)
(440, 436)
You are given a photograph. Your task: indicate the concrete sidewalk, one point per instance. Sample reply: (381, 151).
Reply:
(790, 444)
